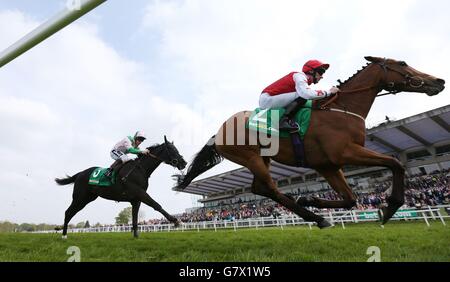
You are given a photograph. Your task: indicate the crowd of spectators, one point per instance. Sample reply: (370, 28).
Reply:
(420, 191)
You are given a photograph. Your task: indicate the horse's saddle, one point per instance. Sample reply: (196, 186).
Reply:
(267, 122)
(98, 177)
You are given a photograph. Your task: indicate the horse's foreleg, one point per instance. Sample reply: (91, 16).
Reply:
(146, 199)
(358, 155)
(135, 212)
(337, 181)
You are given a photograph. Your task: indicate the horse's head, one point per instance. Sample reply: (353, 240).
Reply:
(171, 156)
(399, 76)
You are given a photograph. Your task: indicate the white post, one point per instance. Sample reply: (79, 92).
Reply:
(74, 10)
(440, 217)
(425, 217)
(431, 212)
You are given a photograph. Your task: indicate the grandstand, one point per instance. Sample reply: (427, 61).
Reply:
(421, 142)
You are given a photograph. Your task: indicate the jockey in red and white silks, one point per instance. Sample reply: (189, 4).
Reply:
(292, 91)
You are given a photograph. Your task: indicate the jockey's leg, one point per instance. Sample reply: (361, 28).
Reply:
(287, 121)
(120, 158)
(113, 167)
(291, 101)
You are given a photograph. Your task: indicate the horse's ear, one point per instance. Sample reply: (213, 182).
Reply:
(165, 139)
(372, 59)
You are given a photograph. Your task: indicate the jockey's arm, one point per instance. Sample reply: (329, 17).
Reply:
(134, 150)
(303, 90)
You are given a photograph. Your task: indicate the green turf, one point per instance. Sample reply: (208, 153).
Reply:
(406, 241)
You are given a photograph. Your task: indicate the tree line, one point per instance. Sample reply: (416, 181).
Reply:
(124, 217)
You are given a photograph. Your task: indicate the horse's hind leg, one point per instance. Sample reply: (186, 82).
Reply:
(146, 199)
(264, 185)
(135, 212)
(337, 181)
(78, 203)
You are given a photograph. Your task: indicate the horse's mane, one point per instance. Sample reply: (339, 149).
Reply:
(154, 146)
(351, 77)
(341, 84)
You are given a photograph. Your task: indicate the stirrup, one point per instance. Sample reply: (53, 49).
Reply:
(108, 173)
(291, 126)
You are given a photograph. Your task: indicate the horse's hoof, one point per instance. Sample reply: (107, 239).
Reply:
(324, 224)
(386, 213)
(64, 237)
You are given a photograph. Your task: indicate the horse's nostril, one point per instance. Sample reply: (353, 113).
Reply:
(440, 81)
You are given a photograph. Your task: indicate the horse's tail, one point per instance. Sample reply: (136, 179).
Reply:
(206, 159)
(67, 180)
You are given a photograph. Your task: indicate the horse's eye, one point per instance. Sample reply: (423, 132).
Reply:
(403, 64)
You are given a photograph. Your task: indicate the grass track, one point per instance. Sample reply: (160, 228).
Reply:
(405, 241)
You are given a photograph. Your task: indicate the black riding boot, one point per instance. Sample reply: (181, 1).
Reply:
(113, 167)
(286, 120)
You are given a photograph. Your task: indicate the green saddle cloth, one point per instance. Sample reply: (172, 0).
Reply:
(261, 120)
(98, 177)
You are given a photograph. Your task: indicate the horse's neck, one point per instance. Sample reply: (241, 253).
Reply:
(360, 102)
(150, 163)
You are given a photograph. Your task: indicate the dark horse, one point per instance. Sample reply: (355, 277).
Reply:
(335, 138)
(132, 189)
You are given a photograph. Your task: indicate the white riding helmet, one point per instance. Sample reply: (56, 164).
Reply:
(140, 134)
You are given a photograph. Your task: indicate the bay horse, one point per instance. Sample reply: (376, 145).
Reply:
(335, 138)
(131, 189)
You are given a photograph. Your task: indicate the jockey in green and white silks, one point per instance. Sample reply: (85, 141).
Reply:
(128, 145)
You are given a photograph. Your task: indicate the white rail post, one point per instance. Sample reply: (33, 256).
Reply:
(74, 10)
(431, 212)
(425, 217)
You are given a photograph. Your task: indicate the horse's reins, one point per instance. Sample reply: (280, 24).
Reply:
(391, 85)
(139, 165)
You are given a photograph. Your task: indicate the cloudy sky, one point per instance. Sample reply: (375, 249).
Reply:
(179, 68)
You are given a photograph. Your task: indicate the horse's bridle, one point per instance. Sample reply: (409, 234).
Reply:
(172, 162)
(138, 162)
(408, 79)
(390, 87)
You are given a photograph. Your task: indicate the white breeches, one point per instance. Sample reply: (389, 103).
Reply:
(278, 101)
(120, 155)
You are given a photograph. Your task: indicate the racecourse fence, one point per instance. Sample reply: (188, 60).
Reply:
(335, 217)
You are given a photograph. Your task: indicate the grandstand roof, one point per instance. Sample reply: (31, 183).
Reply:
(422, 130)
